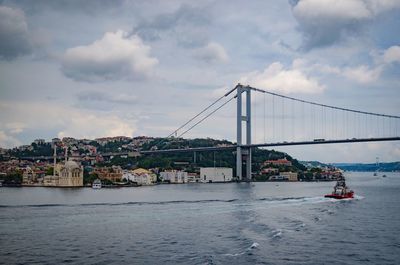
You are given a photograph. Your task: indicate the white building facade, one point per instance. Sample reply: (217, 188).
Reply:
(215, 174)
(140, 179)
(174, 176)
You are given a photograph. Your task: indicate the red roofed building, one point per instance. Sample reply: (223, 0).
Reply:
(278, 162)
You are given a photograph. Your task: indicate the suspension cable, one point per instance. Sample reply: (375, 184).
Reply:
(208, 115)
(204, 110)
(194, 117)
(324, 105)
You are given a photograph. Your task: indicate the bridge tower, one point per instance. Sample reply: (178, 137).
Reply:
(242, 153)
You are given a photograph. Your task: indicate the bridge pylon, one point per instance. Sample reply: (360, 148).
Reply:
(243, 153)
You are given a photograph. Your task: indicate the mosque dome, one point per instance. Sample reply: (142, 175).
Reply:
(71, 165)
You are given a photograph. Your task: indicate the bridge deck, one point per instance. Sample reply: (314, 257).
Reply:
(233, 147)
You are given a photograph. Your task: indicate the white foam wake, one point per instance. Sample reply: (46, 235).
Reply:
(253, 246)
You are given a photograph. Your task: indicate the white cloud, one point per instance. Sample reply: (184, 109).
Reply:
(212, 53)
(62, 120)
(13, 33)
(392, 54)
(8, 141)
(115, 56)
(82, 125)
(360, 73)
(276, 78)
(363, 73)
(15, 127)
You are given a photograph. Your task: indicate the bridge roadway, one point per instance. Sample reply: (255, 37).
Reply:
(233, 147)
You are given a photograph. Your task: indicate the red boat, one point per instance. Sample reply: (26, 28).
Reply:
(341, 191)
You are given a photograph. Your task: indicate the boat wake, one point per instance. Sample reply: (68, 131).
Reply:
(276, 233)
(270, 200)
(295, 200)
(118, 203)
(304, 200)
(247, 250)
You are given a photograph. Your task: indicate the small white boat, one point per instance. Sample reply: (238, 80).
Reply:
(96, 184)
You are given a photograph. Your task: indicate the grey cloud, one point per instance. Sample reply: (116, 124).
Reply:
(100, 97)
(13, 33)
(87, 7)
(187, 25)
(212, 53)
(324, 23)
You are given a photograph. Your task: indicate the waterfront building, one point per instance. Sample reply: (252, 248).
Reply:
(69, 174)
(113, 173)
(174, 176)
(193, 177)
(140, 176)
(277, 178)
(215, 174)
(144, 177)
(28, 176)
(290, 176)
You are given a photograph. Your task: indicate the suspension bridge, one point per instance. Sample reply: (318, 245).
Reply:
(283, 118)
(285, 121)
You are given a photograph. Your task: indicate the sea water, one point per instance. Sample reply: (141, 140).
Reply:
(233, 223)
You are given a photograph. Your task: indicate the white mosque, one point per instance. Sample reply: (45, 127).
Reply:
(69, 174)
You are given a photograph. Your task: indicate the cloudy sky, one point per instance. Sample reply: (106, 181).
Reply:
(89, 69)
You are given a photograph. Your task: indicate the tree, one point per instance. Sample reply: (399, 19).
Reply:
(14, 178)
(89, 178)
(50, 171)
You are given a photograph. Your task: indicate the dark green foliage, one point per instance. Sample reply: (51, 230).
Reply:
(125, 163)
(226, 158)
(38, 150)
(88, 178)
(11, 179)
(110, 146)
(49, 171)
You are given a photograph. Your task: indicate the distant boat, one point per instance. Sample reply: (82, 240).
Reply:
(96, 184)
(341, 191)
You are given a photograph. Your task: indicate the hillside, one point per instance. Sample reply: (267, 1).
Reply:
(392, 166)
(176, 160)
(209, 158)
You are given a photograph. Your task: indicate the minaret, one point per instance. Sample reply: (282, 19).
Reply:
(55, 160)
(66, 154)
